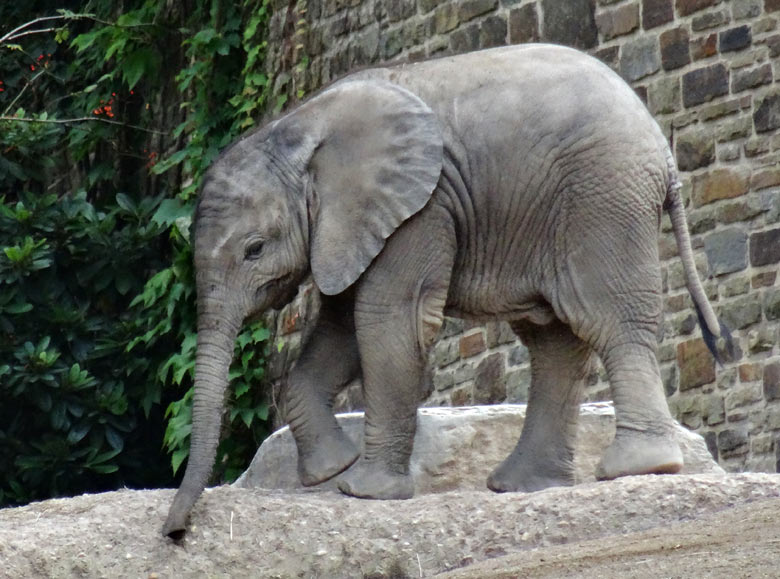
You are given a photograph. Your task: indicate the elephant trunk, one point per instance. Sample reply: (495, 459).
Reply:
(216, 339)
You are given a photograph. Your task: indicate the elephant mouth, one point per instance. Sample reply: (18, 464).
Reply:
(276, 293)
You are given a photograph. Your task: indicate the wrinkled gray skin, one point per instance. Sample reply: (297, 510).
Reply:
(523, 184)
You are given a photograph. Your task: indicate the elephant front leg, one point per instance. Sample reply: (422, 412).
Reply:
(329, 360)
(398, 313)
(544, 455)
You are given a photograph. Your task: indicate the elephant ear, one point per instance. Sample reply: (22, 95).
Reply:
(375, 163)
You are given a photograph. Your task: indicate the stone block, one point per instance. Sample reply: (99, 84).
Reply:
(704, 46)
(457, 448)
(399, 10)
(742, 210)
(674, 48)
(618, 21)
(733, 442)
(518, 355)
(726, 250)
(656, 12)
(763, 279)
(750, 372)
(445, 352)
(472, 343)
(517, 384)
(734, 287)
(751, 78)
(728, 152)
(765, 247)
(465, 39)
(609, 56)
(443, 380)
(756, 148)
(492, 32)
(767, 113)
(741, 313)
(721, 183)
(639, 57)
(763, 179)
(571, 23)
(686, 7)
(709, 20)
(664, 96)
(735, 128)
(735, 38)
(697, 366)
(713, 409)
(772, 304)
(428, 5)
(704, 84)
(452, 327)
(771, 5)
(743, 9)
(771, 380)
(694, 150)
(773, 43)
(469, 9)
(718, 110)
(524, 24)
(489, 381)
(445, 18)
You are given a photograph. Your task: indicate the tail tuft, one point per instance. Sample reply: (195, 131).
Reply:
(718, 345)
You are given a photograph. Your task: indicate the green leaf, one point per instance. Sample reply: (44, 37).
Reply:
(178, 457)
(136, 64)
(170, 210)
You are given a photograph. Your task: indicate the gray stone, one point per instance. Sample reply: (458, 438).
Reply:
(694, 150)
(726, 250)
(675, 50)
(489, 381)
(492, 32)
(398, 10)
(656, 12)
(743, 9)
(456, 448)
(465, 39)
(704, 84)
(469, 9)
(771, 382)
(709, 20)
(735, 38)
(571, 23)
(741, 313)
(732, 442)
(767, 113)
(765, 247)
(524, 24)
(664, 96)
(639, 58)
(517, 384)
(772, 304)
(751, 78)
(617, 22)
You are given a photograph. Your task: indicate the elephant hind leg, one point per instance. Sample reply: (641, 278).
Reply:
(544, 455)
(611, 296)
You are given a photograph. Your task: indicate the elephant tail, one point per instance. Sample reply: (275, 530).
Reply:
(715, 334)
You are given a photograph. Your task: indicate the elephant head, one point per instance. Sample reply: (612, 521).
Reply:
(319, 191)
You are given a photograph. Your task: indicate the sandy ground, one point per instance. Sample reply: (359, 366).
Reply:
(651, 526)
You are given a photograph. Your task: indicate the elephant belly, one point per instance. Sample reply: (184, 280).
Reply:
(488, 306)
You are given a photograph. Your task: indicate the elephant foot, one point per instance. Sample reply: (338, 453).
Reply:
(371, 480)
(333, 455)
(633, 452)
(515, 475)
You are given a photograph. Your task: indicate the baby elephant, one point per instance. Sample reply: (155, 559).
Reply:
(522, 183)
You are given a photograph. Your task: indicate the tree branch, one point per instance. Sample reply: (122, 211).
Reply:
(80, 120)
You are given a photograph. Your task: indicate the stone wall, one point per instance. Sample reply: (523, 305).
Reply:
(707, 70)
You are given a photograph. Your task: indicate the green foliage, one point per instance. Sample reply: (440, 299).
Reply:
(71, 402)
(97, 298)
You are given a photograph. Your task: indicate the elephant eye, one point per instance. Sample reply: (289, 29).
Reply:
(253, 250)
